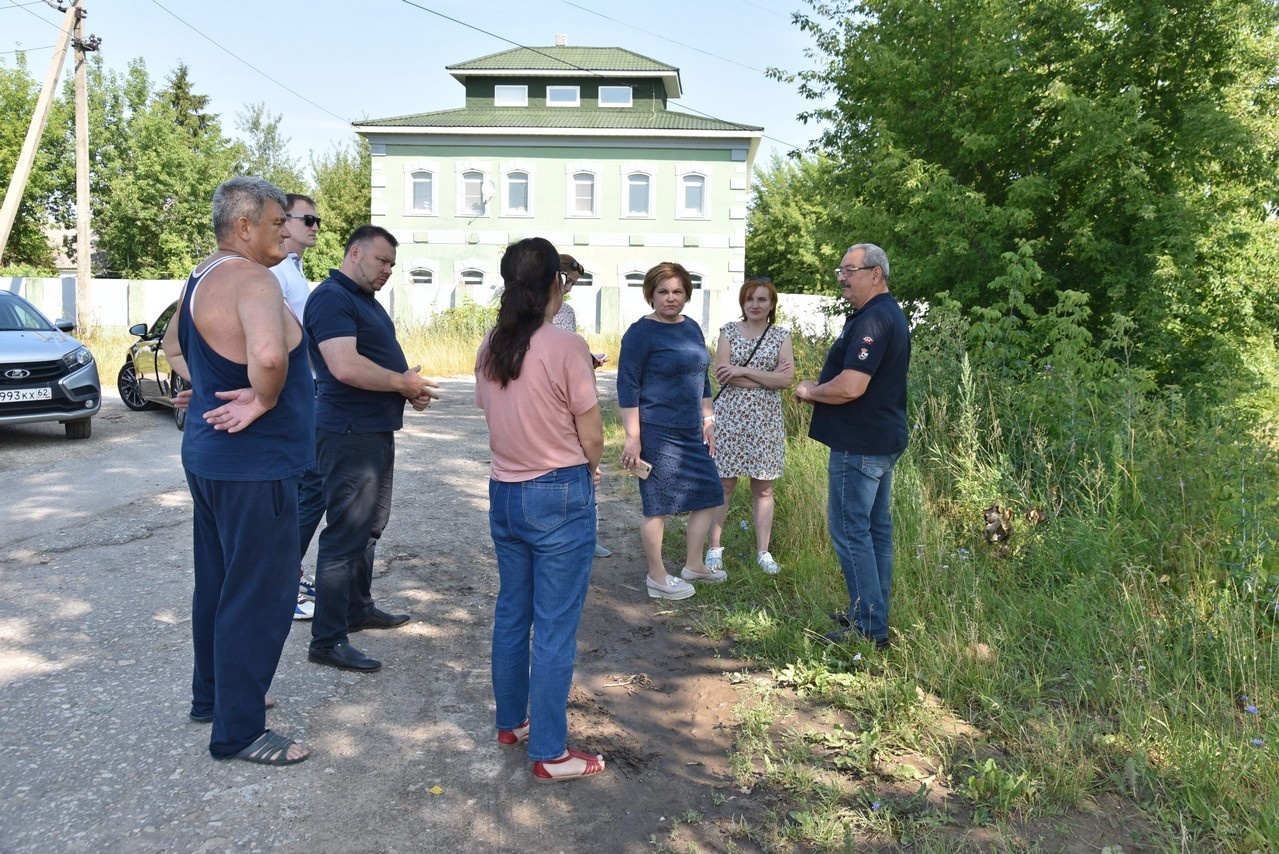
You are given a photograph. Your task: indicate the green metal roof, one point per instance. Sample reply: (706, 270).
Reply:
(607, 59)
(611, 62)
(515, 118)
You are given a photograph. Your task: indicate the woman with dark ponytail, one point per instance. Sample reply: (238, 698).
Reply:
(537, 389)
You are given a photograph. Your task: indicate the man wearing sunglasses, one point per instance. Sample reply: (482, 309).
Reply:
(859, 412)
(303, 227)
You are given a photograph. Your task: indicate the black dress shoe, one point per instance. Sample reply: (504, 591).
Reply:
(840, 617)
(378, 619)
(344, 657)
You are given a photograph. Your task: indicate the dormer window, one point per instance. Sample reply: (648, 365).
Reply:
(615, 96)
(563, 96)
(510, 96)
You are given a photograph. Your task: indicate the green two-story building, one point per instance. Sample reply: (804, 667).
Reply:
(577, 145)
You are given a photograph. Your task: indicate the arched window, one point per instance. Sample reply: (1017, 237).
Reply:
(638, 194)
(420, 276)
(423, 188)
(583, 202)
(635, 279)
(472, 277)
(696, 279)
(692, 196)
(473, 193)
(585, 280)
(517, 195)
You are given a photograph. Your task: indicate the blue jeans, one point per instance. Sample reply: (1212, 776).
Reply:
(544, 534)
(861, 528)
(358, 470)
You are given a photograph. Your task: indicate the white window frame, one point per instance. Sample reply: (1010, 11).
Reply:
(572, 212)
(465, 271)
(696, 280)
(584, 281)
(412, 271)
(515, 96)
(577, 96)
(626, 211)
(630, 97)
(431, 168)
(507, 210)
(633, 279)
(485, 170)
(681, 193)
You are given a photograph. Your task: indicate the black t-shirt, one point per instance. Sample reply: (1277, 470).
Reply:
(875, 341)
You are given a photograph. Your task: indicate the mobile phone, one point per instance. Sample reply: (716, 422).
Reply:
(642, 469)
(600, 358)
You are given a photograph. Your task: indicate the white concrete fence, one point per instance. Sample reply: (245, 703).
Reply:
(117, 304)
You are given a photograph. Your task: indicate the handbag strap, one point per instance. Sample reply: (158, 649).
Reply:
(759, 341)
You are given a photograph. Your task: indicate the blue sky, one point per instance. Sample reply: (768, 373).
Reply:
(346, 60)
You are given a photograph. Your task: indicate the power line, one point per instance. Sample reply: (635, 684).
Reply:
(660, 36)
(28, 49)
(766, 9)
(230, 53)
(587, 71)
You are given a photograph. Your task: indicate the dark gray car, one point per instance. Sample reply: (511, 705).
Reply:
(146, 380)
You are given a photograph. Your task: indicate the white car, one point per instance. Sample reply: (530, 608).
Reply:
(45, 374)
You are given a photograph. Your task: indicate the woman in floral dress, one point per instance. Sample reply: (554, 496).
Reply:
(754, 361)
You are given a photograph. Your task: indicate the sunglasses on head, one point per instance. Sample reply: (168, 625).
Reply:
(308, 220)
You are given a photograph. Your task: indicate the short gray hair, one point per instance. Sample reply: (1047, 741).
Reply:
(872, 256)
(245, 197)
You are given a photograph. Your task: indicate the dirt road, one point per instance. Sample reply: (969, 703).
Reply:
(96, 753)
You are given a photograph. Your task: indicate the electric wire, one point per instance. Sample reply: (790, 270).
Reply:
(233, 55)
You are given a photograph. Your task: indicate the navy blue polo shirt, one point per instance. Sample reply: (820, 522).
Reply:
(339, 308)
(875, 341)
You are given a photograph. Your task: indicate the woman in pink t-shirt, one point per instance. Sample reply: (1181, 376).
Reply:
(536, 386)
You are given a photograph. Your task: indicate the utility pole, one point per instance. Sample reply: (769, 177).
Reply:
(84, 244)
(26, 158)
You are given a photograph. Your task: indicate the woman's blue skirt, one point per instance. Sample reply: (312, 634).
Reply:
(684, 476)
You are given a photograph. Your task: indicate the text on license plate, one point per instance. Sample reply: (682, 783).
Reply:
(17, 395)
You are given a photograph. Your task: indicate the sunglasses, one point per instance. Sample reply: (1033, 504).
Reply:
(308, 220)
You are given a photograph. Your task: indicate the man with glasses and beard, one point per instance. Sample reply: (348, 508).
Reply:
(859, 412)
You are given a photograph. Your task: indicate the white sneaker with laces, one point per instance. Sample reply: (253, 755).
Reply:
(713, 576)
(715, 558)
(304, 610)
(766, 563)
(672, 589)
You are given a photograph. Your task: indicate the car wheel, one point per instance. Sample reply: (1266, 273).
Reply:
(127, 383)
(80, 429)
(177, 384)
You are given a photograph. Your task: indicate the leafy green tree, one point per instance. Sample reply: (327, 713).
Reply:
(264, 153)
(156, 158)
(1128, 149)
(782, 228)
(28, 244)
(343, 198)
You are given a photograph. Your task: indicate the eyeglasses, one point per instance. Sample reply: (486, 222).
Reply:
(308, 220)
(849, 270)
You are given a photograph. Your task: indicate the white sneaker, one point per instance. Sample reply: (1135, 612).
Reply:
(715, 558)
(304, 610)
(601, 551)
(714, 576)
(672, 589)
(766, 563)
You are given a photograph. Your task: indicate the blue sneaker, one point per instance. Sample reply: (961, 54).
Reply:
(306, 589)
(304, 610)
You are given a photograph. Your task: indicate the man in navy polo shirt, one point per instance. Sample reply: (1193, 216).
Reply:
(362, 382)
(859, 412)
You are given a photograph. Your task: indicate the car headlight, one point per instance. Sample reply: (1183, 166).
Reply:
(78, 357)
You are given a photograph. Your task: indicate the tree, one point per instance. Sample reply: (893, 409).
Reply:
(156, 158)
(264, 152)
(28, 244)
(1127, 148)
(343, 198)
(782, 228)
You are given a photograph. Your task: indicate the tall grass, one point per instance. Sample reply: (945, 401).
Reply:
(1124, 647)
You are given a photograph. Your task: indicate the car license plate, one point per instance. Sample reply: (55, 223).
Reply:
(18, 395)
